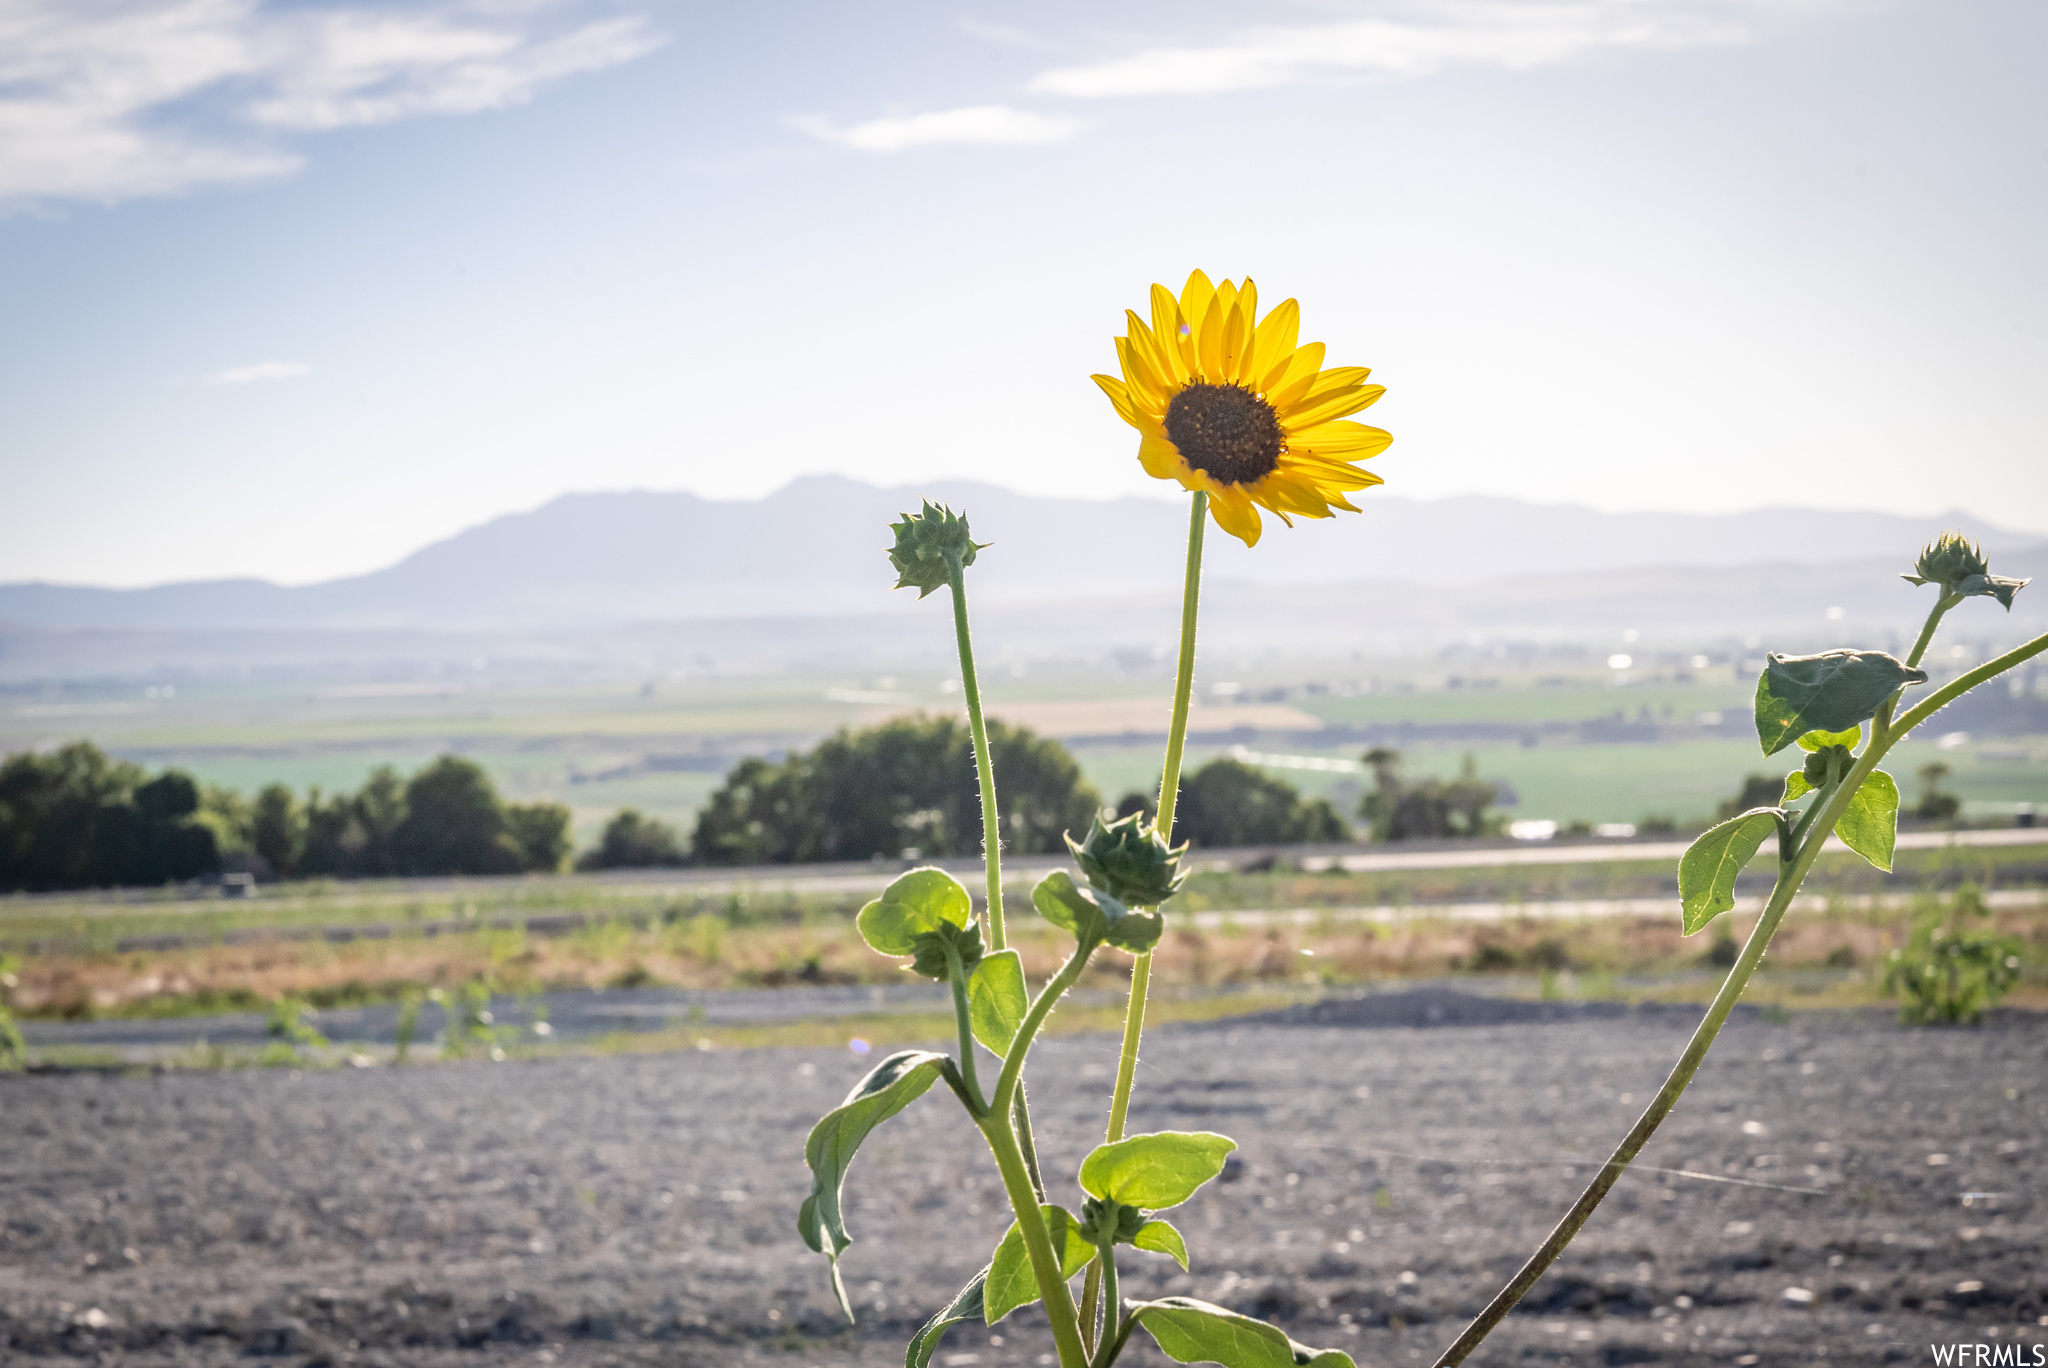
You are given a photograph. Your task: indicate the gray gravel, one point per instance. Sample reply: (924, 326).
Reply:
(640, 1209)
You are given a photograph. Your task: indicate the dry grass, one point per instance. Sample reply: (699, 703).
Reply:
(704, 952)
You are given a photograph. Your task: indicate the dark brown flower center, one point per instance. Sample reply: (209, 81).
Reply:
(1225, 431)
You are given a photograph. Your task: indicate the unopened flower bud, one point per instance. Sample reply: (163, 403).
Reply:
(926, 545)
(1129, 860)
(1957, 565)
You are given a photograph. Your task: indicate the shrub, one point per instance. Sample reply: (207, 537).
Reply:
(1947, 973)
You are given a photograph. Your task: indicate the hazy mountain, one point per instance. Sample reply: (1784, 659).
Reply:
(813, 549)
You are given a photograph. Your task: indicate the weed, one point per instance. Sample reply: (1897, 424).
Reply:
(1948, 973)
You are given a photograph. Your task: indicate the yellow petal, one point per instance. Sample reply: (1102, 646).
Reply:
(1194, 299)
(1119, 395)
(1285, 495)
(1235, 514)
(1273, 341)
(1237, 340)
(1327, 473)
(1317, 409)
(1160, 458)
(1173, 333)
(1157, 358)
(1355, 441)
(1248, 295)
(1148, 391)
(1209, 337)
(1293, 375)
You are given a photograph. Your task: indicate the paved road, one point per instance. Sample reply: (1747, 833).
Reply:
(542, 890)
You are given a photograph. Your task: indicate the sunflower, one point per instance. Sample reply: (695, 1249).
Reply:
(1226, 403)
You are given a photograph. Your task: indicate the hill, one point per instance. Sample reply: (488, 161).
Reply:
(813, 549)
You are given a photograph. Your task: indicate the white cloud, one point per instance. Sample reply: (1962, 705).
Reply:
(1415, 41)
(996, 125)
(111, 99)
(260, 370)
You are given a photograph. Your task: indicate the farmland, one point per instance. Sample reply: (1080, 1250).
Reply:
(1569, 741)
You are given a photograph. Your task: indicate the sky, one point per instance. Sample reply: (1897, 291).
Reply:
(292, 289)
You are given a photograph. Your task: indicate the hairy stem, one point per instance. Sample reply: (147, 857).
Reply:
(1962, 684)
(1025, 1195)
(1112, 1303)
(991, 820)
(1045, 1263)
(957, 972)
(1881, 724)
(1828, 809)
(1169, 795)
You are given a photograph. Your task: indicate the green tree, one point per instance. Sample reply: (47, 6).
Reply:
(541, 831)
(1758, 790)
(1398, 810)
(355, 835)
(633, 840)
(906, 784)
(455, 823)
(75, 818)
(1936, 806)
(277, 830)
(1229, 803)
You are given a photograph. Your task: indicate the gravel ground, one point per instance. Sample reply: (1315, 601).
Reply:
(1399, 1156)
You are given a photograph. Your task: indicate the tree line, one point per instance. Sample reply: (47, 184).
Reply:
(77, 818)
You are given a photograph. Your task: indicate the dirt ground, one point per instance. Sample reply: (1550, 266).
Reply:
(1834, 1189)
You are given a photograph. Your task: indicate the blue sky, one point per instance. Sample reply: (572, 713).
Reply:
(291, 289)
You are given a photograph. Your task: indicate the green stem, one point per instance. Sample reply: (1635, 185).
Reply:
(1091, 1308)
(1941, 605)
(1169, 797)
(1010, 1080)
(957, 972)
(1881, 724)
(1112, 1304)
(1017, 1177)
(1045, 1264)
(991, 821)
(1828, 809)
(1961, 685)
(1184, 678)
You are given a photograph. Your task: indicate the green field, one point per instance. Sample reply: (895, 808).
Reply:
(663, 745)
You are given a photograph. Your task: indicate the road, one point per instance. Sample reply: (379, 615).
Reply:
(871, 876)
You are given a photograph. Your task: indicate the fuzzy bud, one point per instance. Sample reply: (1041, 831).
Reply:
(926, 545)
(1129, 860)
(1958, 566)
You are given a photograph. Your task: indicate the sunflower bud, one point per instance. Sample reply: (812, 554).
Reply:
(1955, 563)
(926, 544)
(1129, 860)
(1103, 1217)
(929, 949)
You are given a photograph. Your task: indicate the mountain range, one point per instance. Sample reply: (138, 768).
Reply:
(814, 550)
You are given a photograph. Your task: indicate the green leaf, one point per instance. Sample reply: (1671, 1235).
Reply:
(894, 1084)
(1870, 824)
(1707, 870)
(997, 1001)
(1190, 1331)
(1161, 1238)
(1069, 906)
(1012, 1282)
(925, 1342)
(915, 904)
(1820, 740)
(1093, 916)
(1830, 692)
(1796, 785)
(1162, 1169)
